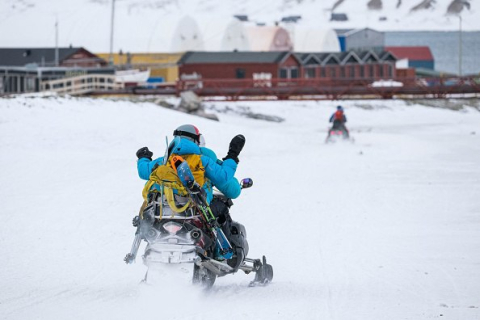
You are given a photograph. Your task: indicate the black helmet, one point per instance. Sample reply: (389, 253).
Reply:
(188, 131)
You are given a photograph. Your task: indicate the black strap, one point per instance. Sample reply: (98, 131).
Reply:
(195, 137)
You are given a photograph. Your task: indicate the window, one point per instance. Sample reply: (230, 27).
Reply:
(323, 72)
(371, 70)
(240, 73)
(333, 72)
(289, 73)
(390, 71)
(309, 72)
(380, 70)
(293, 73)
(342, 72)
(352, 71)
(362, 71)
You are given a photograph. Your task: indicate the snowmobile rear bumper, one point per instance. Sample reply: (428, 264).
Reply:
(169, 253)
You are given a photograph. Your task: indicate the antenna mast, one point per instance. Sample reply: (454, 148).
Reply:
(56, 42)
(111, 33)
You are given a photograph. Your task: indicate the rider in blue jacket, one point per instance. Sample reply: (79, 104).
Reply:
(218, 173)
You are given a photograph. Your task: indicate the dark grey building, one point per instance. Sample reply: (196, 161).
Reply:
(28, 79)
(50, 57)
(23, 69)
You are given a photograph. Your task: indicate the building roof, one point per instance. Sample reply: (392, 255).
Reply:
(341, 58)
(40, 56)
(411, 53)
(304, 58)
(349, 32)
(192, 57)
(340, 32)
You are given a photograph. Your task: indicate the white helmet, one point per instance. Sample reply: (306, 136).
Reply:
(190, 132)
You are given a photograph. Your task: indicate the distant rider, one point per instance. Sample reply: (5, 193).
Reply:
(339, 119)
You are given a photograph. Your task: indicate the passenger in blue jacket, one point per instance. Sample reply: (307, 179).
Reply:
(219, 174)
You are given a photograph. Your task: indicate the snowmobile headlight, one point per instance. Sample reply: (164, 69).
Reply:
(172, 227)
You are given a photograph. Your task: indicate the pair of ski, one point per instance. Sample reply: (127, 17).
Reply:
(223, 249)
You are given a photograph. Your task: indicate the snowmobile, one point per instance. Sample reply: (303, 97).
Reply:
(338, 132)
(215, 245)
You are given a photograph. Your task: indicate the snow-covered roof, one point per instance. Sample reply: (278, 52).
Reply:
(268, 38)
(312, 39)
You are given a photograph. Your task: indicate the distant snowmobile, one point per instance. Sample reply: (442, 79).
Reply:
(216, 246)
(338, 132)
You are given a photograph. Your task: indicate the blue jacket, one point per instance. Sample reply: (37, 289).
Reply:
(218, 173)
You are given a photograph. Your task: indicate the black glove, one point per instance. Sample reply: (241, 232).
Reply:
(236, 145)
(136, 221)
(144, 153)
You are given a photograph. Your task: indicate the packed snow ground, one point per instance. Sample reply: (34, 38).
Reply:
(385, 228)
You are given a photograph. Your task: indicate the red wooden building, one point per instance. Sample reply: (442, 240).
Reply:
(286, 65)
(237, 65)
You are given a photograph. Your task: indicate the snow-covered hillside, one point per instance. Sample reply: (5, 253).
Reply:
(148, 25)
(386, 228)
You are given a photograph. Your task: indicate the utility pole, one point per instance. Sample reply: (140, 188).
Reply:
(460, 48)
(111, 33)
(56, 42)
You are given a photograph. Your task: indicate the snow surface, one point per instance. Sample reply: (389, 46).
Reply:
(386, 228)
(148, 25)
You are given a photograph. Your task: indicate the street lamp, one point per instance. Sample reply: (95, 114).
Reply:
(460, 47)
(111, 33)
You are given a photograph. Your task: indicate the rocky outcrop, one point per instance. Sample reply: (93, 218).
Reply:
(375, 5)
(457, 6)
(336, 4)
(425, 4)
(190, 103)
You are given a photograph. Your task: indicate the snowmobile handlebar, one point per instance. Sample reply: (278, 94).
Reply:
(246, 183)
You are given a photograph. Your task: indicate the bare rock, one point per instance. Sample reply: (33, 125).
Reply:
(190, 102)
(375, 5)
(337, 4)
(457, 6)
(203, 114)
(425, 4)
(164, 104)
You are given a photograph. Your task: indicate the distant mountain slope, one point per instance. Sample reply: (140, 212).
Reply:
(147, 25)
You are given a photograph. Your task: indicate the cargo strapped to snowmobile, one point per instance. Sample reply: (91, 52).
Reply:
(164, 179)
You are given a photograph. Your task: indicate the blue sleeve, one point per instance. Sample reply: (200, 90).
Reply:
(231, 189)
(344, 118)
(145, 166)
(331, 118)
(209, 153)
(219, 174)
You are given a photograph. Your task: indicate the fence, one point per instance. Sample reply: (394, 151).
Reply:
(84, 84)
(332, 89)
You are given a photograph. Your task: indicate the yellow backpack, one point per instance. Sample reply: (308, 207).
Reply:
(166, 178)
